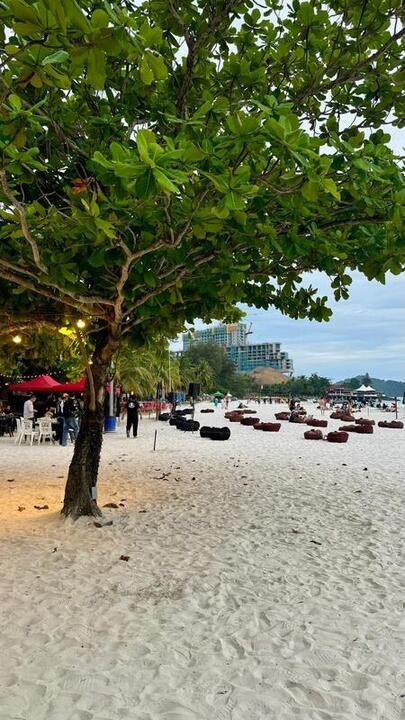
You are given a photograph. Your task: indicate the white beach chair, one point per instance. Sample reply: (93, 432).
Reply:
(27, 431)
(18, 430)
(45, 431)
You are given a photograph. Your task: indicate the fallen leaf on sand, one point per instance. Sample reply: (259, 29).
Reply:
(111, 505)
(124, 557)
(315, 542)
(142, 511)
(10, 480)
(20, 508)
(99, 524)
(41, 507)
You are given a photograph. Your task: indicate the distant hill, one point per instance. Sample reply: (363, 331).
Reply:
(391, 388)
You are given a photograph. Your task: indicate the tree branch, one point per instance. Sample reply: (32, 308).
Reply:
(23, 222)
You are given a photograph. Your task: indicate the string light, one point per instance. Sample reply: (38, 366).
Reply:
(81, 324)
(17, 339)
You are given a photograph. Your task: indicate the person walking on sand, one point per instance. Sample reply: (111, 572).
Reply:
(133, 413)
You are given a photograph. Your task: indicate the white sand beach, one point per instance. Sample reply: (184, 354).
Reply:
(264, 579)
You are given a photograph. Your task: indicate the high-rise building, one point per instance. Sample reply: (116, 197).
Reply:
(246, 356)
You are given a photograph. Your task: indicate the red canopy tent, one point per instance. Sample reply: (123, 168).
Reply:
(42, 383)
(72, 386)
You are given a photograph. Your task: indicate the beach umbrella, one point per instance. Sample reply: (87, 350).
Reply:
(218, 394)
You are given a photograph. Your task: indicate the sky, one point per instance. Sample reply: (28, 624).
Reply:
(366, 332)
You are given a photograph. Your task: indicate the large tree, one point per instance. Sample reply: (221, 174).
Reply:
(164, 160)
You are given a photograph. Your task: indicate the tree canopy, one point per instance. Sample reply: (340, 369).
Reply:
(162, 161)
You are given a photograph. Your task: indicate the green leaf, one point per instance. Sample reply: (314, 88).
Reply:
(330, 186)
(99, 158)
(15, 102)
(164, 181)
(310, 190)
(96, 68)
(57, 57)
(146, 71)
(145, 185)
(99, 19)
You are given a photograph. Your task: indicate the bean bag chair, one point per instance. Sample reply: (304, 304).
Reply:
(391, 424)
(314, 422)
(164, 416)
(187, 411)
(215, 433)
(299, 420)
(364, 421)
(249, 412)
(207, 410)
(364, 429)
(337, 437)
(349, 428)
(270, 427)
(282, 416)
(235, 418)
(249, 421)
(347, 418)
(313, 435)
(188, 425)
(173, 421)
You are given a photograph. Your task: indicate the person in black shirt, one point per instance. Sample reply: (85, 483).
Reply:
(133, 412)
(70, 414)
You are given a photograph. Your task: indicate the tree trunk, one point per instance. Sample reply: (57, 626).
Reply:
(80, 492)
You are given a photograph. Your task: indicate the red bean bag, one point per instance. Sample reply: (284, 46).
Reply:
(270, 427)
(339, 415)
(337, 437)
(299, 420)
(317, 423)
(249, 412)
(249, 421)
(364, 421)
(392, 424)
(349, 428)
(233, 413)
(313, 435)
(364, 429)
(282, 415)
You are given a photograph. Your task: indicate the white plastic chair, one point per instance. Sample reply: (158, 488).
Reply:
(27, 431)
(18, 430)
(45, 431)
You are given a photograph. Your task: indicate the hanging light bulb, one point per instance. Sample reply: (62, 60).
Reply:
(17, 339)
(81, 324)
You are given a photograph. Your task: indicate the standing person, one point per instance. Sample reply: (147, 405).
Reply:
(133, 412)
(70, 415)
(28, 411)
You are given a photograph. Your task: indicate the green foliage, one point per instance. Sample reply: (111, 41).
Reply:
(209, 364)
(142, 189)
(312, 386)
(140, 370)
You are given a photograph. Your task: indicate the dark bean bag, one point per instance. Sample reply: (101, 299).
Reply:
(233, 413)
(173, 421)
(249, 421)
(207, 410)
(299, 420)
(187, 411)
(317, 423)
(337, 436)
(282, 416)
(249, 412)
(270, 427)
(337, 415)
(391, 424)
(349, 428)
(164, 417)
(235, 418)
(188, 425)
(313, 435)
(364, 421)
(364, 429)
(215, 433)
